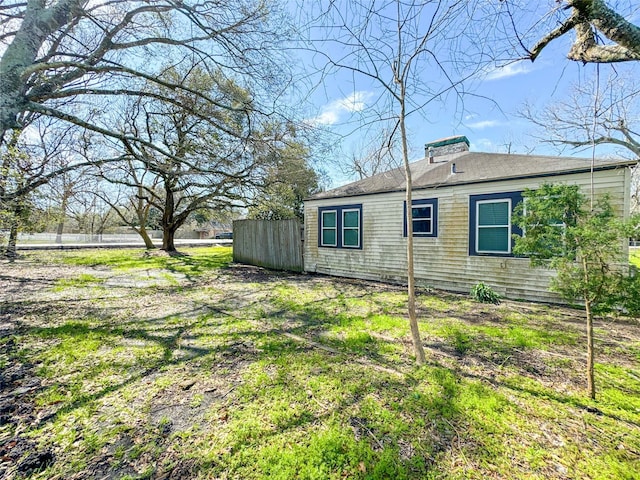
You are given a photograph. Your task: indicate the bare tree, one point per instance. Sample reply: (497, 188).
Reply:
(87, 209)
(214, 156)
(594, 114)
(603, 31)
(615, 106)
(404, 49)
(79, 62)
(372, 156)
(73, 60)
(71, 192)
(29, 162)
(135, 186)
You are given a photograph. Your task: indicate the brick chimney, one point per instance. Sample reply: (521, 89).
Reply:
(445, 146)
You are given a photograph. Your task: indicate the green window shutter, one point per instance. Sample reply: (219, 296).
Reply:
(351, 219)
(494, 213)
(351, 228)
(493, 234)
(328, 219)
(493, 239)
(328, 237)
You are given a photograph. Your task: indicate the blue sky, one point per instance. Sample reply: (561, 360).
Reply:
(489, 114)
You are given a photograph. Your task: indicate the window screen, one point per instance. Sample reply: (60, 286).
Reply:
(493, 226)
(351, 228)
(329, 228)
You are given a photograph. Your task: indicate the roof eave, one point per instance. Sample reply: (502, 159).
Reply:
(572, 171)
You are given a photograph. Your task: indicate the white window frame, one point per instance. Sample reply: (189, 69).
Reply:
(347, 210)
(323, 228)
(430, 218)
(508, 226)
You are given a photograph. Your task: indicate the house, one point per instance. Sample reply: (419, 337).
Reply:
(462, 207)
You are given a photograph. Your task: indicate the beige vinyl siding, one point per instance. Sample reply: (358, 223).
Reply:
(442, 262)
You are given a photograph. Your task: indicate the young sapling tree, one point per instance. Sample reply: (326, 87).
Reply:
(586, 248)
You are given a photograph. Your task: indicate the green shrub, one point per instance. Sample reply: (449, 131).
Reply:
(484, 294)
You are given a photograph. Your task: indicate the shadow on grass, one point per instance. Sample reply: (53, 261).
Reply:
(371, 421)
(352, 439)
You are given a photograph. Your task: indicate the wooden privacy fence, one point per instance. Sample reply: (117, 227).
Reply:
(275, 244)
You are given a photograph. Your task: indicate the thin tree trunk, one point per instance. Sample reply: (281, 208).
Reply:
(413, 318)
(591, 381)
(63, 214)
(59, 231)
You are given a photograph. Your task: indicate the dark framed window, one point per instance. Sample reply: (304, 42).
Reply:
(340, 227)
(490, 228)
(425, 217)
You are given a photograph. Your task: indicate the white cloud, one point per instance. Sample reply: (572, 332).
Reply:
(508, 70)
(355, 102)
(333, 111)
(483, 124)
(483, 145)
(328, 117)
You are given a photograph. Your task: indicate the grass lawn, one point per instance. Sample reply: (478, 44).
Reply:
(124, 364)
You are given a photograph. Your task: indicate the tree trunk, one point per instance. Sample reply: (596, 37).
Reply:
(63, 214)
(13, 238)
(168, 224)
(39, 21)
(168, 235)
(591, 381)
(145, 238)
(413, 318)
(59, 231)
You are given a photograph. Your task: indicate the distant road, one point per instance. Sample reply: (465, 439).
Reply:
(127, 244)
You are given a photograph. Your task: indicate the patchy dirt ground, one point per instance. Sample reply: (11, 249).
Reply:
(169, 307)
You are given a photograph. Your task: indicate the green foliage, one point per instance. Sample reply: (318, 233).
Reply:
(460, 338)
(546, 215)
(484, 294)
(584, 245)
(288, 181)
(15, 209)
